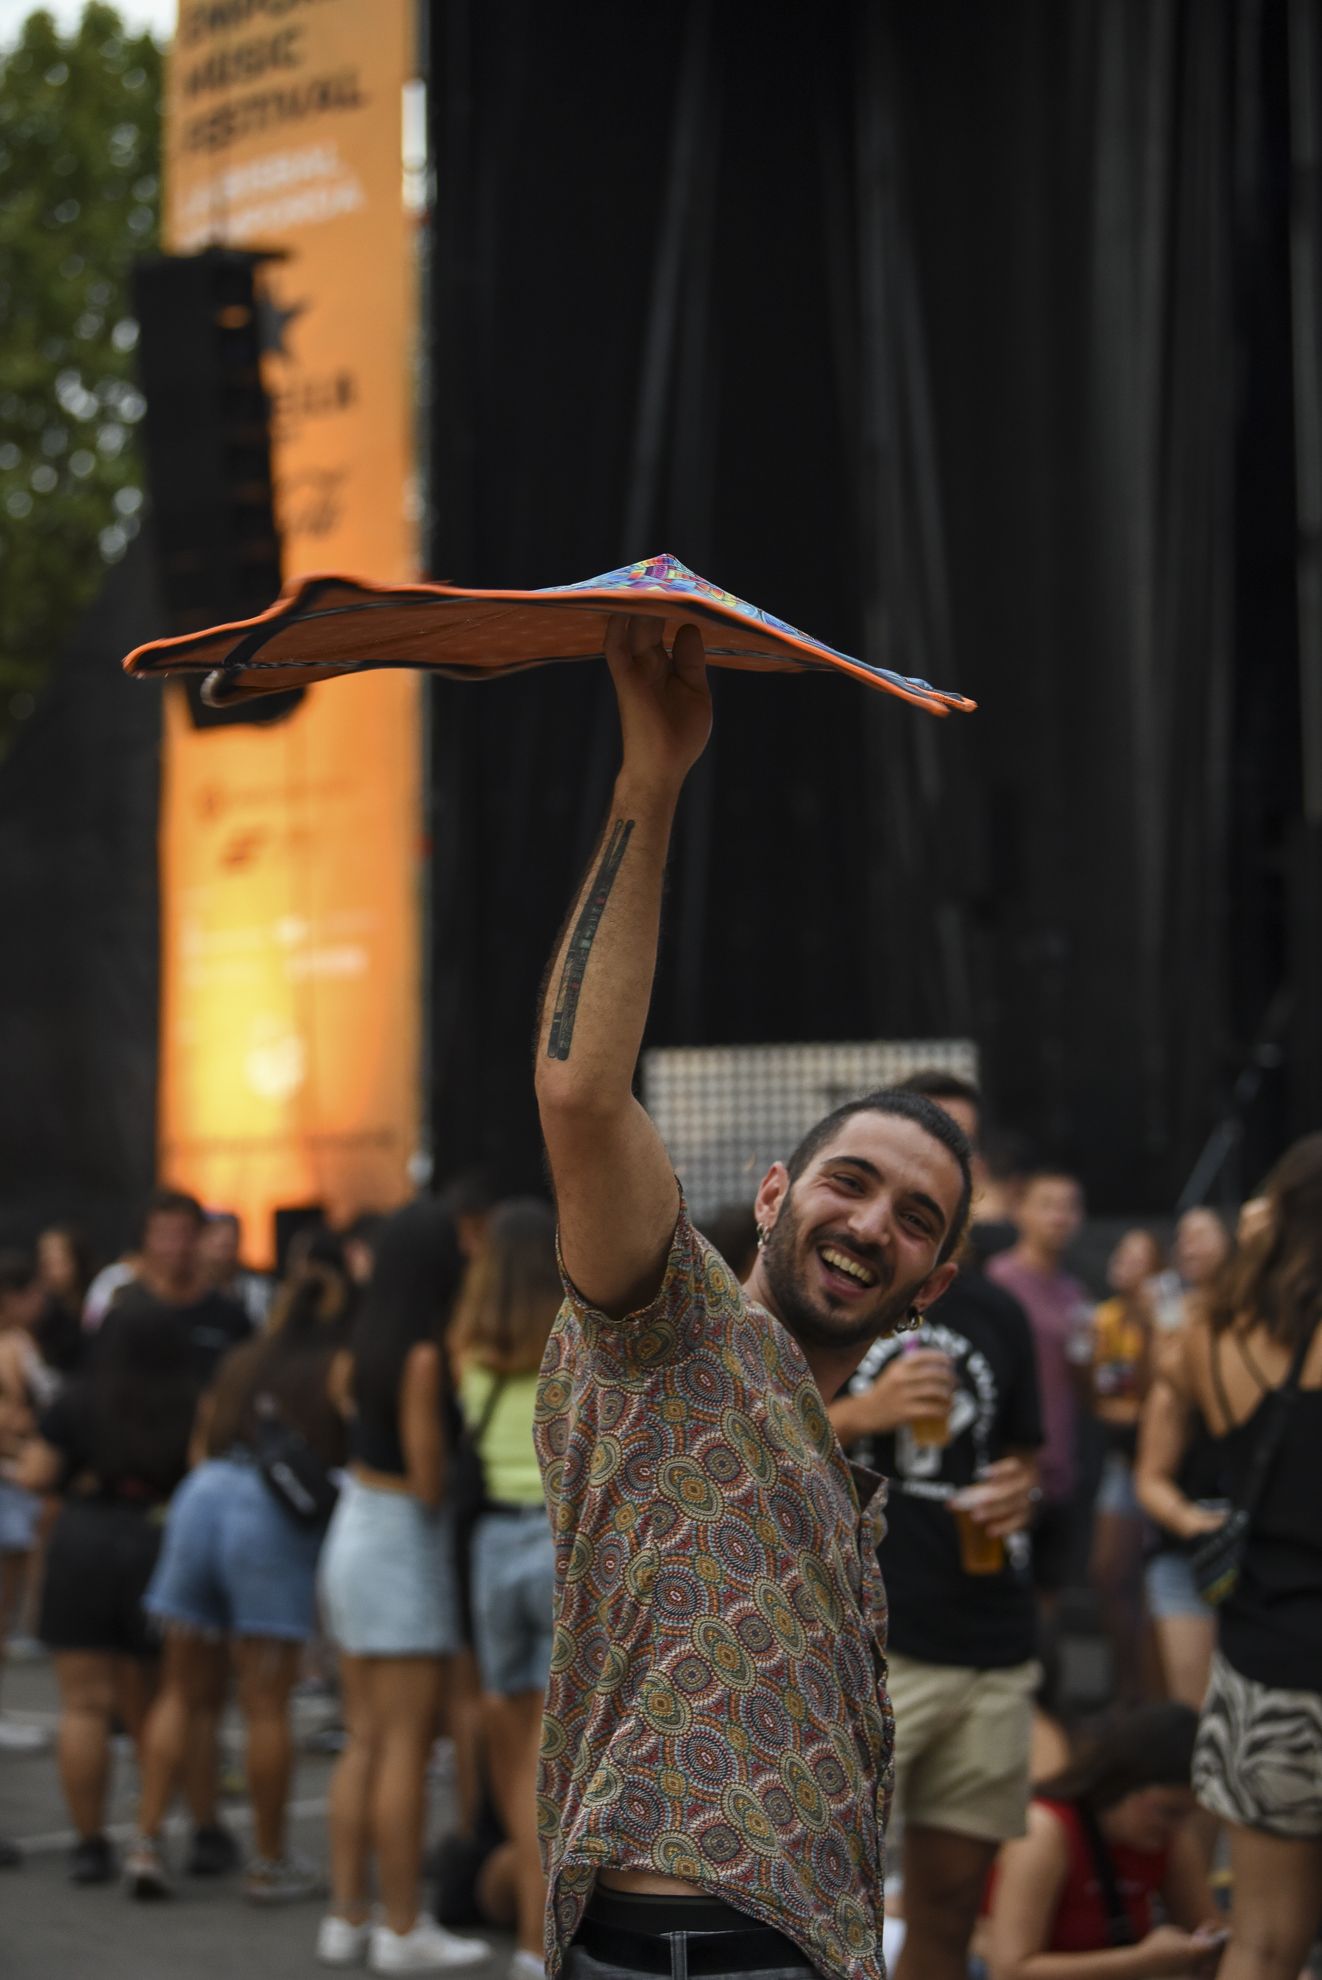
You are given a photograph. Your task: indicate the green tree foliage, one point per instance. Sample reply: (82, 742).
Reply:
(79, 199)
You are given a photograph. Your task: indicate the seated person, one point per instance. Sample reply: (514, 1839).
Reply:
(1108, 1842)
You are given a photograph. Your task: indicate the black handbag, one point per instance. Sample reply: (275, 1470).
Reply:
(1119, 1925)
(290, 1467)
(1218, 1560)
(467, 1499)
(465, 1474)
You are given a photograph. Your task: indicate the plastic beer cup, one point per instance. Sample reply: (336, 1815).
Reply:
(980, 1552)
(932, 1431)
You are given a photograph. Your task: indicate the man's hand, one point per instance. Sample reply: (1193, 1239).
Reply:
(664, 699)
(1004, 1496)
(910, 1387)
(1196, 1521)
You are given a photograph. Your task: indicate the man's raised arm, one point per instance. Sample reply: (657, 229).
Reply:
(615, 1189)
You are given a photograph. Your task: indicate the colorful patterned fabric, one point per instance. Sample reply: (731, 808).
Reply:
(323, 626)
(717, 1708)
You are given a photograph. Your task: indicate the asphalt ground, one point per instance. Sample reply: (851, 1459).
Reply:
(51, 1929)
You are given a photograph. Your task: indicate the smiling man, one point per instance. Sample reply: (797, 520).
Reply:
(717, 1751)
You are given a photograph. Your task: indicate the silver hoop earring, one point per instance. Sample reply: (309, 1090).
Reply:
(912, 1320)
(762, 1235)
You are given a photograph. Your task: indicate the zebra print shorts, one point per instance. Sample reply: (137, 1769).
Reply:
(1258, 1759)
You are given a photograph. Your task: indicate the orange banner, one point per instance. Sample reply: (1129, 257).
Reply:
(290, 854)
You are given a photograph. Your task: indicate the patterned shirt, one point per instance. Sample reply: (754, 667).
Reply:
(717, 1706)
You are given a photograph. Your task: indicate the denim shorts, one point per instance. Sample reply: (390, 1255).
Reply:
(18, 1519)
(233, 1561)
(387, 1576)
(1115, 1492)
(513, 1600)
(1169, 1584)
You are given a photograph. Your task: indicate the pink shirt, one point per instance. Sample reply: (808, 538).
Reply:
(1051, 1300)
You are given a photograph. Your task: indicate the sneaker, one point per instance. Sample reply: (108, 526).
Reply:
(331, 1739)
(526, 1966)
(214, 1852)
(284, 1881)
(15, 1737)
(145, 1874)
(427, 1948)
(340, 1943)
(91, 1861)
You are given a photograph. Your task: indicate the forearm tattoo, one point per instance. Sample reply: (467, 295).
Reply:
(561, 1034)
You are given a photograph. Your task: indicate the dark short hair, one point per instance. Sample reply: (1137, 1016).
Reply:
(900, 1103)
(172, 1203)
(939, 1085)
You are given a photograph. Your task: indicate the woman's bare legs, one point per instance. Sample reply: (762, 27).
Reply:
(86, 1679)
(201, 1783)
(267, 1670)
(1186, 1644)
(462, 1720)
(1278, 1896)
(351, 1795)
(1116, 1572)
(515, 1728)
(189, 1684)
(404, 1696)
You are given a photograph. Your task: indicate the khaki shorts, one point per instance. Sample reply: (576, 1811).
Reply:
(961, 1746)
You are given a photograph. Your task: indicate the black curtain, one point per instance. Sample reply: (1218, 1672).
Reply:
(960, 336)
(78, 897)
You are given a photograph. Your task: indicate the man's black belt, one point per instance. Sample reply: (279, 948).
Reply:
(754, 1950)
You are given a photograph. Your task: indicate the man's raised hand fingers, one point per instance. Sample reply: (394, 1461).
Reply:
(646, 635)
(690, 655)
(616, 643)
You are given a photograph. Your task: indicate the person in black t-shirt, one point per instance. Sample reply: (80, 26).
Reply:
(169, 1278)
(170, 1272)
(948, 1413)
(113, 1444)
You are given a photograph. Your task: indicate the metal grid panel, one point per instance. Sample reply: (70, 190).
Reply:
(727, 1112)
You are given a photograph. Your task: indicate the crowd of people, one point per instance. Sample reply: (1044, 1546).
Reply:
(599, 1495)
(1096, 1439)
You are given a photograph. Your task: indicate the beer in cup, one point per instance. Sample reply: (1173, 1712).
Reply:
(931, 1431)
(980, 1552)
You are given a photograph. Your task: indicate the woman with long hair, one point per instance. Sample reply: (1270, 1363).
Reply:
(238, 1566)
(114, 1445)
(1122, 1341)
(1249, 1369)
(389, 1598)
(510, 1298)
(1183, 1623)
(1107, 1841)
(64, 1265)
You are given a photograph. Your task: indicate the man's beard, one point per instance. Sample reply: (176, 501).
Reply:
(812, 1321)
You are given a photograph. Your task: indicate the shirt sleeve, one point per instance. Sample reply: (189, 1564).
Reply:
(698, 1296)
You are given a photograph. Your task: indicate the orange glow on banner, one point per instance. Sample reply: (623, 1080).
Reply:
(290, 854)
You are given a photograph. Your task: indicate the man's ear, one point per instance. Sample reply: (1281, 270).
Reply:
(932, 1288)
(771, 1195)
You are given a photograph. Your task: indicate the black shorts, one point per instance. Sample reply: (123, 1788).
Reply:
(98, 1564)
